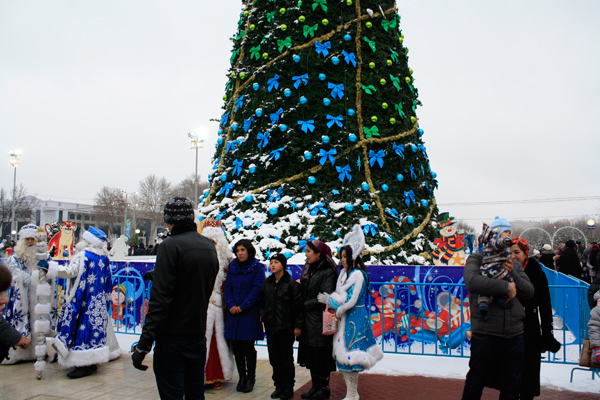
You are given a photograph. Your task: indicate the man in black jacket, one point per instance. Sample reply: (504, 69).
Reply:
(186, 268)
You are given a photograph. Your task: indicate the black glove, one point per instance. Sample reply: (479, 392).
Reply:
(137, 357)
(549, 343)
(149, 276)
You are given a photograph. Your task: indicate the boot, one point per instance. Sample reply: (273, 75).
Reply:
(242, 373)
(324, 392)
(351, 379)
(315, 386)
(80, 372)
(276, 394)
(251, 375)
(287, 394)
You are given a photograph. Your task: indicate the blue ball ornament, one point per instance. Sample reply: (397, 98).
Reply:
(296, 58)
(352, 137)
(350, 112)
(326, 102)
(410, 219)
(220, 141)
(347, 37)
(220, 132)
(400, 177)
(234, 126)
(365, 186)
(273, 211)
(424, 203)
(312, 180)
(414, 148)
(249, 199)
(258, 112)
(283, 127)
(210, 177)
(325, 139)
(303, 100)
(349, 207)
(433, 175)
(224, 177)
(307, 155)
(322, 77)
(287, 92)
(385, 187)
(252, 169)
(256, 86)
(335, 60)
(420, 132)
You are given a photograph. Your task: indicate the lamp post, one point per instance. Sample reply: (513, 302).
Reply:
(126, 203)
(195, 144)
(14, 162)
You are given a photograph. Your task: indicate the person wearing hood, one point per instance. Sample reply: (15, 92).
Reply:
(568, 263)
(242, 326)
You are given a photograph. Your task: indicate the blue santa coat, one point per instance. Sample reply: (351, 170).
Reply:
(242, 288)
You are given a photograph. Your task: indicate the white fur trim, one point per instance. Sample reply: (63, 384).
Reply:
(42, 309)
(42, 326)
(93, 240)
(18, 354)
(82, 358)
(40, 351)
(60, 348)
(115, 354)
(52, 270)
(39, 366)
(44, 289)
(215, 326)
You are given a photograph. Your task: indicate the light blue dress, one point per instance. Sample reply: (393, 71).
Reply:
(354, 346)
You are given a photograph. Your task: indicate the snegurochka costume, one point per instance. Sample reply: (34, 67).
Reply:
(84, 335)
(24, 310)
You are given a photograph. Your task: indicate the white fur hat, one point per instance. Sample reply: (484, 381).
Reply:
(356, 240)
(28, 231)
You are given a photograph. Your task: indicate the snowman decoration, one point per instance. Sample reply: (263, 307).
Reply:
(450, 250)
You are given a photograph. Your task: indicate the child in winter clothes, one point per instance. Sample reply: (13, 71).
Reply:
(281, 310)
(9, 336)
(594, 329)
(496, 251)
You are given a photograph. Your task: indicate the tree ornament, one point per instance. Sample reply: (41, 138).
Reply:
(350, 112)
(243, 75)
(312, 180)
(382, 81)
(303, 100)
(347, 37)
(273, 210)
(322, 77)
(374, 118)
(420, 131)
(224, 177)
(352, 138)
(283, 127)
(296, 58)
(302, 18)
(365, 186)
(249, 199)
(407, 79)
(287, 92)
(225, 97)
(234, 126)
(384, 106)
(335, 61)
(284, 27)
(371, 64)
(369, 25)
(325, 139)
(410, 219)
(410, 71)
(258, 112)
(433, 175)
(413, 120)
(252, 168)
(282, 11)
(349, 2)
(325, 21)
(385, 187)
(392, 121)
(307, 155)
(326, 102)
(220, 141)
(252, 27)
(255, 86)
(400, 177)
(389, 63)
(424, 203)
(349, 207)
(265, 55)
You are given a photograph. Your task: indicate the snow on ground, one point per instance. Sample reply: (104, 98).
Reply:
(554, 375)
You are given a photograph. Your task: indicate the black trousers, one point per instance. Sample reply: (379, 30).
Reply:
(281, 357)
(245, 357)
(493, 355)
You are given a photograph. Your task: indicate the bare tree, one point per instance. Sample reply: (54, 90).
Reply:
(154, 193)
(109, 206)
(24, 206)
(186, 188)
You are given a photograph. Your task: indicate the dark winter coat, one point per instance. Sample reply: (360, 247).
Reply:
(569, 264)
(9, 337)
(594, 287)
(322, 278)
(281, 305)
(242, 289)
(539, 307)
(503, 322)
(547, 258)
(186, 268)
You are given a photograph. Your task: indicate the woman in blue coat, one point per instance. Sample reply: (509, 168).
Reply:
(242, 326)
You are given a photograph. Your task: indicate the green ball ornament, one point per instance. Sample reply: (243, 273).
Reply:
(371, 65)
(406, 50)
(382, 81)
(302, 18)
(246, 13)
(233, 75)
(282, 11)
(410, 71)
(401, 39)
(325, 21)
(407, 79)
(243, 75)
(252, 27)
(374, 118)
(384, 106)
(369, 25)
(225, 97)
(413, 120)
(349, 2)
(265, 55)
(392, 121)
(389, 63)
(284, 27)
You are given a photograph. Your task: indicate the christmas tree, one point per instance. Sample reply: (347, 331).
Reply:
(320, 133)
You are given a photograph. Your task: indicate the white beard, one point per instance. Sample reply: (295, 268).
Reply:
(26, 254)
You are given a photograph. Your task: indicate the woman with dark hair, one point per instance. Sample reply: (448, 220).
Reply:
(539, 307)
(355, 348)
(568, 263)
(315, 350)
(242, 326)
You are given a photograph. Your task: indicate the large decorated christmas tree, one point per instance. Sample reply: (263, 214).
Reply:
(320, 132)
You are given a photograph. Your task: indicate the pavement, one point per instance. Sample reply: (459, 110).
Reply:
(119, 380)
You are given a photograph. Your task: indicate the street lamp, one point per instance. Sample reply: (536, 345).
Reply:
(195, 144)
(125, 215)
(14, 162)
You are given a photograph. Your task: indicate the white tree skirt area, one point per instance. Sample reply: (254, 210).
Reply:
(554, 376)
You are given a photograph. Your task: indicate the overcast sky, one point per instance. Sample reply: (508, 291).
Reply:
(104, 93)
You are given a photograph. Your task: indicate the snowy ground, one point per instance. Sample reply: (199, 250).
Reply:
(552, 376)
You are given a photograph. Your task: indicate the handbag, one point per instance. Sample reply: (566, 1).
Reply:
(330, 321)
(585, 358)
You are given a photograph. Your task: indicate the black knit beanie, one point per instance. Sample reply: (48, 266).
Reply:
(178, 210)
(281, 258)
